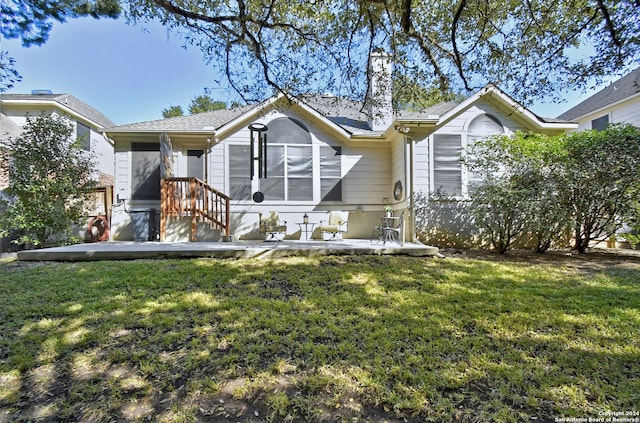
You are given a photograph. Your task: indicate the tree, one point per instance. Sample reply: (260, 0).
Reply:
(172, 111)
(530, 48)
(600, 179)
(204, 103)
(49, 177)
(199, 104)
(411, 95)
(31, 20)
(8, 73)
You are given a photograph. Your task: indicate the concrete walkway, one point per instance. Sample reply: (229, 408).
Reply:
(129, 250)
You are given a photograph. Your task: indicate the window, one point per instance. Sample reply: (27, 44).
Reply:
(601, 123)
(83, 136)
(299, 173)
(447, 167)
(240, 184)
(449, 177)
(195, 164)
(330, 173)
(273, 186)
(145, 164)
(481, 127)
(290, 164)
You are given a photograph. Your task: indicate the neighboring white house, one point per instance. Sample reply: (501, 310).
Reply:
(88, 123)
(324, 154)
(617, 103)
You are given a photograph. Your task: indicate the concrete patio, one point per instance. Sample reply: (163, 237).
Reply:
(129, 250)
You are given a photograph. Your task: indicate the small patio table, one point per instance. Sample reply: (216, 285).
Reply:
(387, 230)
(306, 228)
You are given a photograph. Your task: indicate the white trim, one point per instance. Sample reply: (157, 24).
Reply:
(493, 92)
(258, 111)
(53, 103)
(607, 108)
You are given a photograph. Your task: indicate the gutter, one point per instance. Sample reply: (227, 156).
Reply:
(607, 107)
(156, 131)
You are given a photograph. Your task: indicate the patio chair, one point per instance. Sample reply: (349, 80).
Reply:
(272, 225)
(397, 230)
(337, 224)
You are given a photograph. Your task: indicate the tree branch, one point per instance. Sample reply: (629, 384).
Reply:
(171, 8)
(405, 20)
(456, 54)
(609, 23)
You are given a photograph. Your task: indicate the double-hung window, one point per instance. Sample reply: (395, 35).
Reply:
(480, 128)
(239, 182)
(330, 173)
(290, 166)
(450, 177)
(447, 164)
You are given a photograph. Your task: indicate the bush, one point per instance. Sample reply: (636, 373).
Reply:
(600, 179)
(49, 177)
(517, 195)
(544, 186)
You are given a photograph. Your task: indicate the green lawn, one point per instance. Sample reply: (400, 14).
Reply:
(320, 339)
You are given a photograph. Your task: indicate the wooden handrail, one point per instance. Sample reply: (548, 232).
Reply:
(191, 197)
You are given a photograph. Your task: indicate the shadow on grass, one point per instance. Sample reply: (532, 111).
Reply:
(375, 338)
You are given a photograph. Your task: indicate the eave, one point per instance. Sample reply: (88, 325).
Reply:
(53, 104)
(176, 132)
(494, 93)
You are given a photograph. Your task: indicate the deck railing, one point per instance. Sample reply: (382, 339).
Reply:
(191, 197)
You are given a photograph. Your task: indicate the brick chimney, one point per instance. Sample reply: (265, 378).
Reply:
(380, 109)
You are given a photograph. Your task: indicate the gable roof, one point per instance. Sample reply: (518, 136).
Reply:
(502, 99)
(343, 112)
(205, 122)
(346, 116)
(66, 102)
(625, 87)
(8, 127)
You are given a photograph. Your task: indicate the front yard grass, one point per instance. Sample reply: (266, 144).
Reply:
(319, 339)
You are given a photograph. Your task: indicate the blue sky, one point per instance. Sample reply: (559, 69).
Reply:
(131, 73)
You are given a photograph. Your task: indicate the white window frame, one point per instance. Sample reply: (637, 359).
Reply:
(315, 147)
(432, 170)
(464, 144)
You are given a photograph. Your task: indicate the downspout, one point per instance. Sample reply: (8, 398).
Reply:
(410, 190)
(206, 161)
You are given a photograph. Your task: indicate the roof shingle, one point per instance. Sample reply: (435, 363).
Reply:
(624, 87)
(348, 114)
(66, 100)
(196, 122)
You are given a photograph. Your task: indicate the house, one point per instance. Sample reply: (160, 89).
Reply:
(88, 122)
(617, 103)
(323, 154)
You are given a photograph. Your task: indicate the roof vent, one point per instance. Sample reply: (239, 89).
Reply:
(41, 92)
